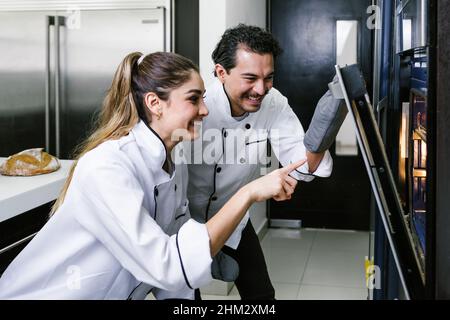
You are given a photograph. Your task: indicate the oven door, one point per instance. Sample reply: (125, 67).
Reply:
(394, 219)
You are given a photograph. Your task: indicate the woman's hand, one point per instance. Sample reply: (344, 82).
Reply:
(277, 184)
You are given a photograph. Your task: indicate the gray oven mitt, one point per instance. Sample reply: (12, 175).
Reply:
(328, 117)
(224, 267)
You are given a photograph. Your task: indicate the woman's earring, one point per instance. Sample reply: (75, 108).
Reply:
(159, 113)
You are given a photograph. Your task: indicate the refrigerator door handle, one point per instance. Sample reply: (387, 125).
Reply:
(59, 21)
(165, 29)
(49, 22)
(164, 20)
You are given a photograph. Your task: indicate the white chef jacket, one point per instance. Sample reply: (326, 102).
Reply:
(124, 225)
(212, 183)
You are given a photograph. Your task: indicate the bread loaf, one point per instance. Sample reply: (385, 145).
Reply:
(29, 162)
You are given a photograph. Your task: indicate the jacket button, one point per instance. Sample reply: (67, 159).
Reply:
(248, 126)
(219, 169)
(242, 160)
(214, 198)
(225, 134)
(156, 192)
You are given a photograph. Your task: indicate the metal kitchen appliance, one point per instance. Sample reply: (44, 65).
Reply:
(395, 220)
(57, 60)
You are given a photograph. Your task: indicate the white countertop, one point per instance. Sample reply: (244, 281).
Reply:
(20, 194)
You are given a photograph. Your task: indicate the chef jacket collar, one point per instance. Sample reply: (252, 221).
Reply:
(151, 142)
(224, 103)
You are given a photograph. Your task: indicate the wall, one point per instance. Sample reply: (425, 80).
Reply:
(218, 15)
(212, 24)
(251, 12)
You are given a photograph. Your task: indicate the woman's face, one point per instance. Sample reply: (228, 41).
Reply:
(184, 110)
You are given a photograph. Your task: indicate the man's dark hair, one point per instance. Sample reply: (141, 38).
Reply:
(247, 37)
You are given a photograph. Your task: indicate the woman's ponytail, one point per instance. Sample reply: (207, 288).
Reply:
(118, 116)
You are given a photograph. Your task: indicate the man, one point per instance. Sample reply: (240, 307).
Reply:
(247, 112)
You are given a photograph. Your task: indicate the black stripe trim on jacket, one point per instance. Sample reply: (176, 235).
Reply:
(182, 266)
(156, 202)
(170, 166)
(258, 141)
(157, 135)
(305, 174)
(211, 195)
(214, 181)
(131, 294)
(181, 215)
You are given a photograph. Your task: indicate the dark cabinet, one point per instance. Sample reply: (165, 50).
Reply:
(17, 232)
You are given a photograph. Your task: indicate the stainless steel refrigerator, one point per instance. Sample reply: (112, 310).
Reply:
(56, 64)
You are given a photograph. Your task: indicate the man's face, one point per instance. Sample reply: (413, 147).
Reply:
(248, 82)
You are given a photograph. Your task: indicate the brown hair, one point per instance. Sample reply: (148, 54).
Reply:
(123, 106)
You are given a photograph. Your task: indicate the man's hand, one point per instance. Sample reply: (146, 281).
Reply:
(328, 117)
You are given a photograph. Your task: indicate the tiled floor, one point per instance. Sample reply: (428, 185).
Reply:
(314, 264)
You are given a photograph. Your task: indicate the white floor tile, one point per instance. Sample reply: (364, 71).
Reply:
(232, 295)
(342, 241)
(286, 265)
(313, 264)
(286, 291)
(335, 268)
(308, 292)
(289, 238)
(217, 287)
(234, 291)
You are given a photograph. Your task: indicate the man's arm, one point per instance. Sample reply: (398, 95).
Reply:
(328, 117)
(314, 160)
(286, 136)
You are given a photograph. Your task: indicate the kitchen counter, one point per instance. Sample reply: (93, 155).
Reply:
(20, 194)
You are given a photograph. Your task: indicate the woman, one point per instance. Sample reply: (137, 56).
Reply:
(121, 225)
